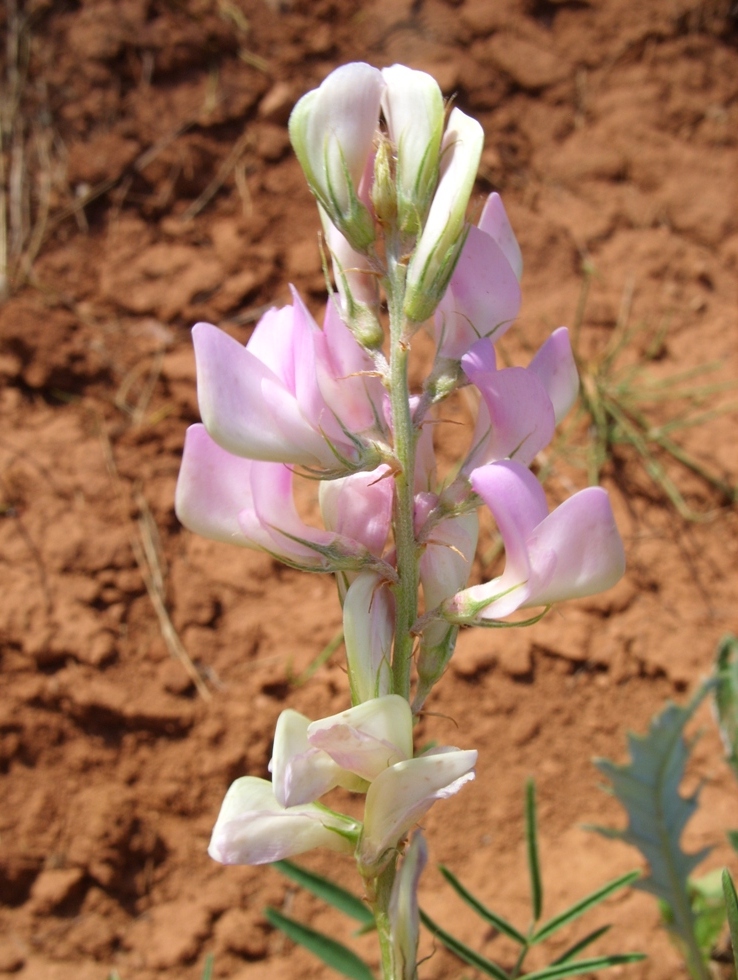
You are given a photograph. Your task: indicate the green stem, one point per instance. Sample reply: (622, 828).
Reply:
(406, 590)
(379, 890)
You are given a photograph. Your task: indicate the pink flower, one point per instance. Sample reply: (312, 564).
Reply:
(483, 295)
(575, 551)
(249, 502)
(521, 406)
(294, 394)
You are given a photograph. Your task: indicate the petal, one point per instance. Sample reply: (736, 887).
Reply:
(482, 300)
(213, 487)
(367, 738)
(400, 796)
(445, 565)
(272, 343)
(300, 773)
(495, 223)
(520, 410)
(554, 364)
(368, 631)
(413, 108)
(275, 523)
(359, 507)
(252, 828)
(246, 408)
(346, 376)
(307, 389)
(333, 127)
(588, 553)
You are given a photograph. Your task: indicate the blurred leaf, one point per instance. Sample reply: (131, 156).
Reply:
(333, 894)
(572, 951)
(531, 841)
(648, 788)
(207, 970)
(496, 921)
(731, 907)
(553, 925)
(583, 966)
(332, 953)
(732, 836)
(726, 696)
(463, 951)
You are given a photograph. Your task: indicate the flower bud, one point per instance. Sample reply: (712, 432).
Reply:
(443, 236)
(384, 192)
(413, 108)
(332, 131)
(368, 630)
(404, 914)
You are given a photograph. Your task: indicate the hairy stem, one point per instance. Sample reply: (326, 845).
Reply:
(406, 590)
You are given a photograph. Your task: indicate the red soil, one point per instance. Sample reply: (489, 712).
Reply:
(173, 196)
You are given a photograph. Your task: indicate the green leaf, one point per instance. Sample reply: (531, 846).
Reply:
(731, 907)
(726, 696)
(564, 918)
(333, 894)
(572, 951)
(496, 921)
(583, 966)
(332, 953)
(463, 951)
(732, 836)
(531, 841)
(648, 788)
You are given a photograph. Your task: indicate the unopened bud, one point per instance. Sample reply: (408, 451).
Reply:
(443, 235)
(384, 191)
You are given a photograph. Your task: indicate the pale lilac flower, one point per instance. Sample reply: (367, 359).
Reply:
(520, 406)
(368, 747)
(519, 418)
(403, 793)
(252, 827)
(495, 223)
(483, 295)
(359, 506)
(250, 503)
(277, 398)
(575, 551)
